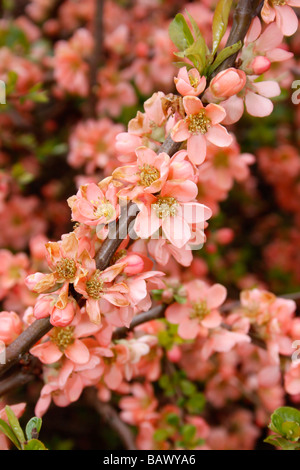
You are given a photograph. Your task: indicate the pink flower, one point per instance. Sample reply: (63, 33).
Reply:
(148, 174)
(10, 327)
(189, 82)
(98, 285)
(201, 124)
(281, 11)
(66, 342)
(94, 204)
(171, 211)
(199, 310)
(256, 96)
(139, 407)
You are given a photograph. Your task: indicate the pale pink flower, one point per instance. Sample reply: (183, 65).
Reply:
(148, 174)
(281, 11)
(189, 82)
(173, 211)
(67, 342)
(10, 326)
(95, 204)
(292, 380)
(139, 407)
(201, 124)
(200, 309)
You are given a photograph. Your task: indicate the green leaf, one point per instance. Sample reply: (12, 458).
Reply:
(196, 30)
(160, 435)
(286, 422)
(188, 432)
(12, 78)
(196, 53)
(15, 425)
(34, 444)
(33, 427)
(5, 428)
(220, 22)
(223, 55)
(281, 442)
(196, 403)
(180, 299)
(180, 33)
(173, 419)
(187, 387)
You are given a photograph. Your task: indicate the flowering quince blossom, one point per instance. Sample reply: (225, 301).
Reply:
(261, 48)
(256, 96)
(201, 124)
(173, 210)
(281, 11)
(201, 308)
(94, 204)
(148, 174)
(65, 259)
(227, 83)
(98, 285)
(66, 341)
(58, 305)
(189, 82)
(10, 327)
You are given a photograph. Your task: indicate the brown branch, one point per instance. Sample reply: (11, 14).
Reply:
(96, 58)
(15, 381)
(111, 417)
(244, 13)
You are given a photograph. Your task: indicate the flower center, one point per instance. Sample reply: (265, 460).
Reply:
(94, 286)
(221, 160)
(148, 174)
(103, 209)
(200, 310)
(165, 207)
(278, 3)
(199, 123)
(62, 337)
(66, 268)
(193, 81)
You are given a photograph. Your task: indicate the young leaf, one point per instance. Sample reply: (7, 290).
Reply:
(33, 427)
(220, 22)
(5, 428)
(180, 33)
(15, 425)
(196, 53)
(223, 55)
(34, 444)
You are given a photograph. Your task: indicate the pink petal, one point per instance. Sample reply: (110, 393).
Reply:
(219, 136)
(196, 147)
(47, 352)
(188, 329)
(216, 296)
(176, 313)
(215, 113)
(268, 88)
(234, 108)
(257, 105)
(176, 231)
(286, 20)
(213, 320)
(78, 352)
(192, 105)
(195, 213)
(180, 131)
(183, 191)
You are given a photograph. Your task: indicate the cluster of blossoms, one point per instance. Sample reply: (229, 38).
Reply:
(203, 348)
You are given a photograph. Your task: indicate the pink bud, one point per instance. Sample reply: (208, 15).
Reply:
(63, 317)
(228, 83)
(259, 65)
(10, 327)
(224, 236)
(174, 355)
(127, 143)
(32, 280)
(43, 307)
(134, 264)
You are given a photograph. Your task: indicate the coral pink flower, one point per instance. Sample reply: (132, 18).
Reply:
(189, 82)
(201, 124)
(65, 260)
(256, 96)
(148, 174)
(58, 305)
(99, 285)
(201, 308)
(281, 11)
(94, 204)
(10, 327)
(172, 211)
(139, 407)
(92, 144)
(66, 342)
